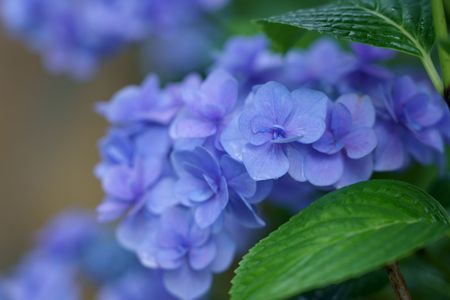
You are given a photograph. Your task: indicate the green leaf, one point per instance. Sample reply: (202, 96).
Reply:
(403, 25)
(342, 235)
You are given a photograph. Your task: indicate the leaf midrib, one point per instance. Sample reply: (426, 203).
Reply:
(419, 47)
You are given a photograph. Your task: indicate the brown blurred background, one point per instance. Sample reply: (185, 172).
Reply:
(48, 136)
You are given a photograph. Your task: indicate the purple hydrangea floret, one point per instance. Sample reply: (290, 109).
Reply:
(408, 125)
(214, 185)
(272, 123)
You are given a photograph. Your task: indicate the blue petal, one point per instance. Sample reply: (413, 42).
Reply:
(232, 140)
(111, 209)
(359, 142)
(161, 196)
(390, 152)
(244, 213)
(322, 169)
(356, 170)
(310, 102)
(186, 283)
(273, 101)
(296, 156)
(361, 109)
(188, 126)
(202, 257)
(266, 161)
(208, 212)
(219, 91)
(340, 120)
(226, 249)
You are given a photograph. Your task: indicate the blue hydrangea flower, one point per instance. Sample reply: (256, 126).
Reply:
(42, 278)
(139, 284)
(207, 107)
(249, 59)
(74, 37)
(408, 125)
(272, 123)
(342, 156)
(310, 69)
(146, 103)
(188, 254)
(130, 167)
(367, 74)
(214, 185)
(66, 237)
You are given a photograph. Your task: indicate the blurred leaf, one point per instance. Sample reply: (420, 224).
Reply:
(440, 190)
(351, 289)
(344, 234)
(424, 281)
(283, 37)
(403, 25)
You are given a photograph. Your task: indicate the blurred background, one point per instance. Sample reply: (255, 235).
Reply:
(48, 137)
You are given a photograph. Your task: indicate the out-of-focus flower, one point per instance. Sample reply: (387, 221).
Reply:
(407, 125)
(140, 284)
(250, 61)
(73, 37)
(311, 69)
(42, 278)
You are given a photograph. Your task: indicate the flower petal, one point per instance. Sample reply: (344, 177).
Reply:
(264, 162)
(201, 257)
(232, 140)
(322, 169)
(296, 157)
(186, 283)
(226, 249)
(310, 102)
(356, 170)
(208, 212)
(274, 102)
(390, 152)
(244, 213)
(188, 126)
(361, 109)
(161, 196)
(359, 142)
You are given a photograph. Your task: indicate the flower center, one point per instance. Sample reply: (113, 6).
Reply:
(278, 132)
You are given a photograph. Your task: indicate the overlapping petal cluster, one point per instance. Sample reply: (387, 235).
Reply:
(186, 166)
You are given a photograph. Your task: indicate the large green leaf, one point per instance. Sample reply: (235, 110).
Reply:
(342, 235)
(403, 25)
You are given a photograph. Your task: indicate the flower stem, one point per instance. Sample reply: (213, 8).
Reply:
(432, 73)
(440, 29)
(398, 282)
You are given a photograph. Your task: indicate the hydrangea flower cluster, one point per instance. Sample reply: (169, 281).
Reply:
(186, 166)
(74, 36)
(74, 246)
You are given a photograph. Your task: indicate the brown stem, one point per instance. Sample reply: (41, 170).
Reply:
(398, 282)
